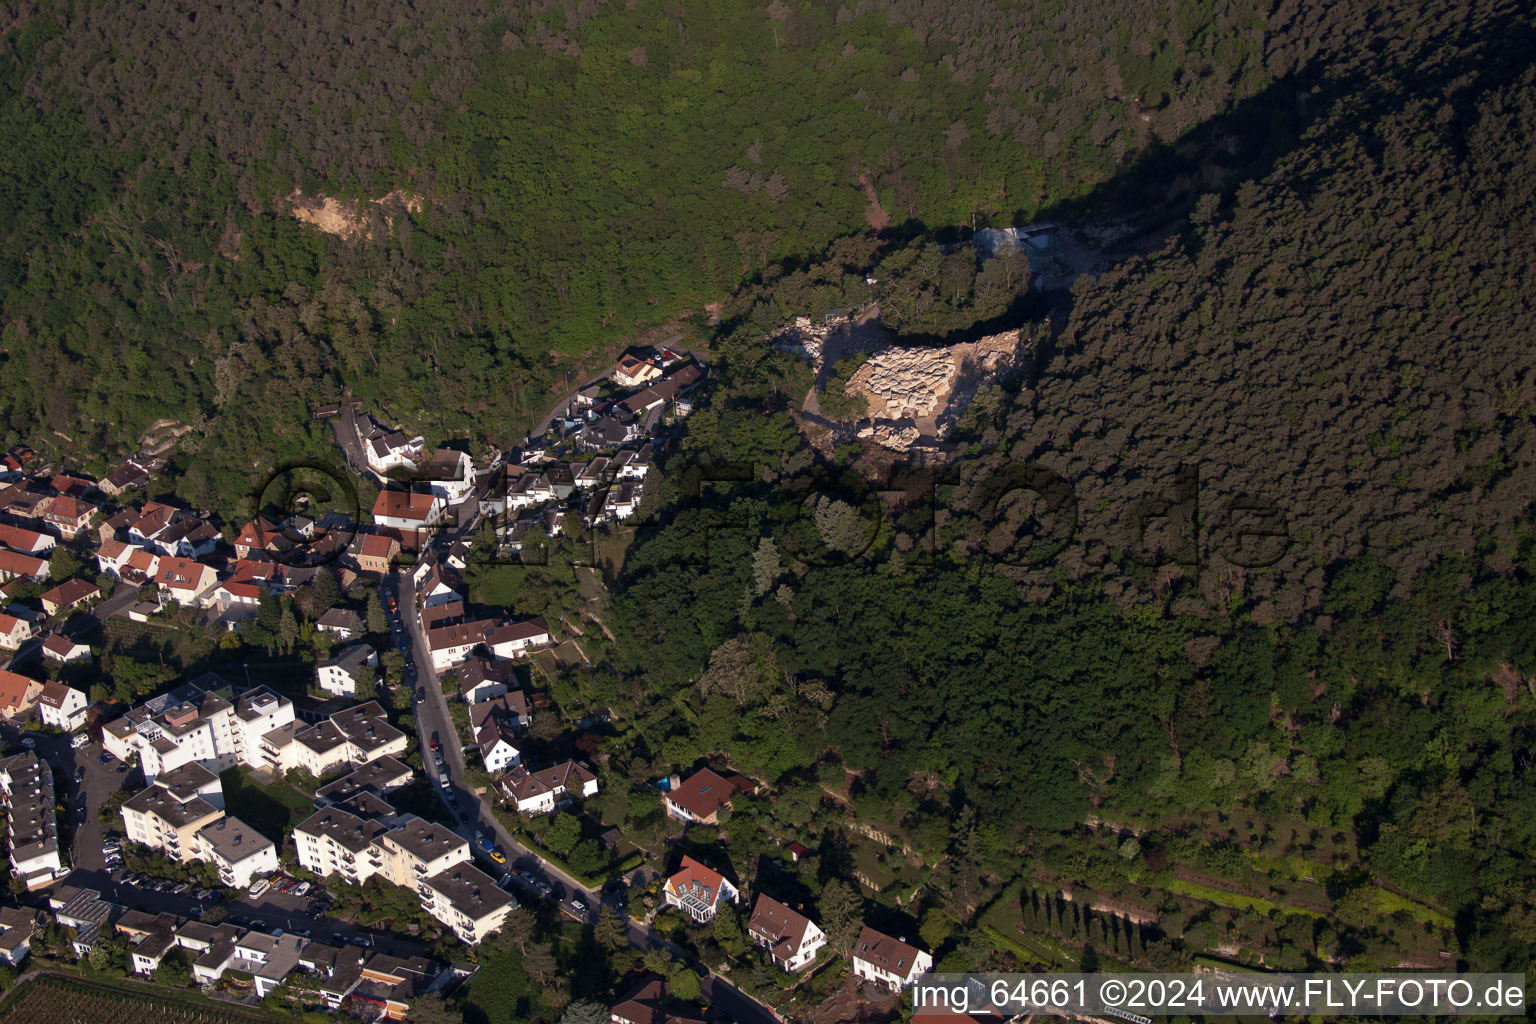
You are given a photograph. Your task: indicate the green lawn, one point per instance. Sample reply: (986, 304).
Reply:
(271, 810)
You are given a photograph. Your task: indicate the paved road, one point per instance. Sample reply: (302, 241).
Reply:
(432, 717)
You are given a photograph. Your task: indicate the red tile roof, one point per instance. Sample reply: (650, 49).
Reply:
(704, 792)
(781, 928)
(71, 592)
(13, 690)
(18, 564)
(404, 505)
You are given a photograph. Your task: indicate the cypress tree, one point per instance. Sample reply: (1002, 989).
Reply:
(1122, 938)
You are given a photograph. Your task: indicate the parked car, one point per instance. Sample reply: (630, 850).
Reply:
(361, 940)
(436, 743)
(179, 888)
(103, 758)
(543, 886)
(239, 919)
(79, 740)
(578, 906)
(338, 937)
(302, 889)
(79, 776)
(421, 694)
(258, 887)
(28, 743)
(497, 856)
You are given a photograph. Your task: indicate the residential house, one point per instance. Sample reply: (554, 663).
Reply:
(62, 707)
(28, 542)
(267, 958)
(450, 475)
(340, 675)
(239, 852)
(888, 961)
(436, 615)
(165, 530)
(702, 796)
(449, 645)
(387, 985)
(649, 1003)
(14, 632)
(481, 679)
(516, 639)
(24, 503)
(84, 911)
(412, 513)
(14, 564)
(342, 622)
(184, 581)
(57, 647)
(608, 432)
(632, 463)
(498, 750)
(530, 489)
(621, 501)
(593, 474)
(437, 584)
(542, 791)
(663, 391)
(68, 516)
(122, 478)
(17, 925)
(698, 891)
(389, 449)
(150, 937)
(790, 937)
(17, 693)
(633, 370)
(68, 595)
(510, 707)
(254, 536)
(141, 566)
(375, 552)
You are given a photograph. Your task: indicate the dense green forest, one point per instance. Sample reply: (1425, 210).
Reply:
(581, 168)
(1346, 731)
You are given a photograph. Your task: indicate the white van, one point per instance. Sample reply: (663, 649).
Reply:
(260, 886)
(79, 740)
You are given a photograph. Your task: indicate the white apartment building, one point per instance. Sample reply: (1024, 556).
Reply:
(190, 725)
(27, 784)
(168, 815)
(239, 852)
(355, 736)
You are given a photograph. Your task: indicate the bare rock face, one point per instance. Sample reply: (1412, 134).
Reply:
(928, 386)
